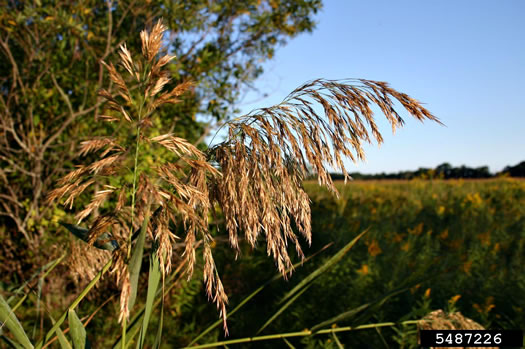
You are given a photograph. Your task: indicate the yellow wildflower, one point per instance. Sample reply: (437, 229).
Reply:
(364, 269)
(374, 249)
(427, 293)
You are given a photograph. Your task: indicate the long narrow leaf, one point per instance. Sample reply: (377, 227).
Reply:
(298, 290)
(77, 330)
(136, 322)
(135, 262)
(283, 308)
(348, 314)
(47, 268)
(330, 263)
(153, 284)
(339, 345)
(8, 318)
(62, 340)
(158, 338)
(73, 305)
(304, 333)
(290, 345)
(253, 294)
(10, 342)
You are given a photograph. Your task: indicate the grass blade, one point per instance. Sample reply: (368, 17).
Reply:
(153, 284)
(62, 340)
(350, 313)
(283, 308)
(135, 262)
(290, 345)
(158, 338)
(298, 290)
(253, 294)
(73, 305)
(8, 318)
(304, 333)
(331, 262)
(336, 339)
(47, 268)
(343, 316)
(136, 323)
(11, 343)
(78, 332)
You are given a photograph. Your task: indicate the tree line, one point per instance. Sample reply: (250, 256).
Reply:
(443, 171)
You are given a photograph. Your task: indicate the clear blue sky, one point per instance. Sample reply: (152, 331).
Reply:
(464, 59)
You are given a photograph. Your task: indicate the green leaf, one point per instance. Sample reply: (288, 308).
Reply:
(375, 305)
(283, 308)
(253, 294)
(47, 268)
(153, 284)
(8, 318)
(135, 262)
(10, 342)
(62, 340)
(339, 345)
(330, 263)
(78, 332)
(103, 242)
(158, 338)
(343, 316)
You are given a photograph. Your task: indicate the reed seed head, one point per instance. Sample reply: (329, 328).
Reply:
(254, 176)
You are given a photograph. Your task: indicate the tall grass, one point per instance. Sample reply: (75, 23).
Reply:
(254, 177)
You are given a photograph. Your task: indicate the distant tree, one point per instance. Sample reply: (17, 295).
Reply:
(515, 171)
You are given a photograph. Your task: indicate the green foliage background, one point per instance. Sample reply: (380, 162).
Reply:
(50, 73)
(434, 240)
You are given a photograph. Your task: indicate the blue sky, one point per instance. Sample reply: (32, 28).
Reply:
(464, 59)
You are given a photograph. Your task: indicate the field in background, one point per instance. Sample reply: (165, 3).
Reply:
(456, 245)
(451, 245)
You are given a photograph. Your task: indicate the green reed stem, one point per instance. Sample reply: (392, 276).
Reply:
(124, 330)
(73, 305)
(304, 333)
(135, 172)
(134, 187)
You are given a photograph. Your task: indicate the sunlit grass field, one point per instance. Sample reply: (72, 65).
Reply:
(456, 245)
(469, 235)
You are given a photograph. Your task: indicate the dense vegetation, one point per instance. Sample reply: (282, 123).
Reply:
(451, 245)
(49, 80)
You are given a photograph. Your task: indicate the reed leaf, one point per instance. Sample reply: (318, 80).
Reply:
(304, 333)
(329, 263)
(153, 284)
(8, 318)
(283, 308)
(10, 342)
(62, 340)
(73, 305)
(254, 293)
(77, 330)
(351, 313)
(135, 262)
(47, 268)
(337, 341)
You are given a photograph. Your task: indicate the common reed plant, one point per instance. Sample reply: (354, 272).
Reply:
(254, 176)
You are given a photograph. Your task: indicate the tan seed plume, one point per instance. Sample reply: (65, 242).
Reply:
(254, 176)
